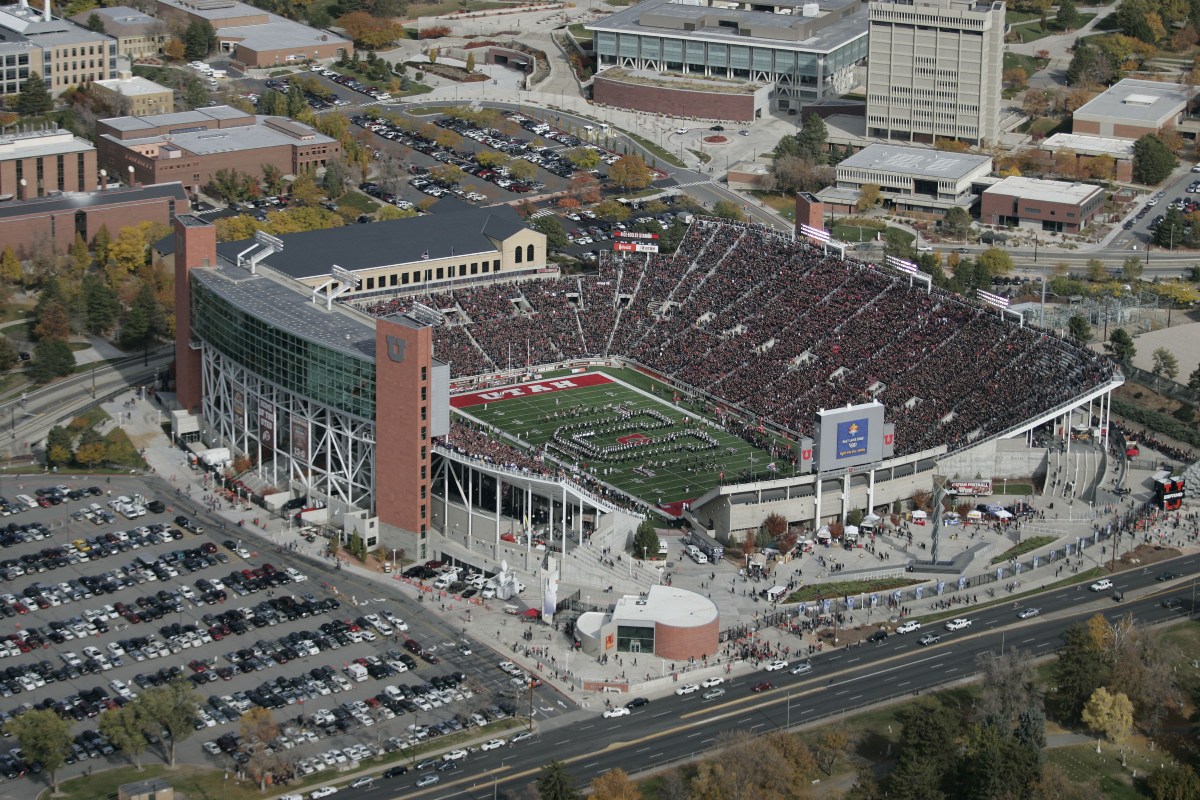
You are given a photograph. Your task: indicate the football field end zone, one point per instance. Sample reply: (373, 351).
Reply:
(512, 391)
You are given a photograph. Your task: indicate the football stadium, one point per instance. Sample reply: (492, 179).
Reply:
(748, 373)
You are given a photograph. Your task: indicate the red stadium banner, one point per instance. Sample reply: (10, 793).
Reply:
(633, 247)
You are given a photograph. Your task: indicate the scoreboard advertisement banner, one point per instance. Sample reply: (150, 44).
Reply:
(849, 437)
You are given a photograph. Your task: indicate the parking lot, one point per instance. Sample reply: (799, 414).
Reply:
(107, 598)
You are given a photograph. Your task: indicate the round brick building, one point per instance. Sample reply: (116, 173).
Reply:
(667, 622)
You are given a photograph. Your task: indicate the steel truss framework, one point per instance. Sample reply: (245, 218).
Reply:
(326, 452)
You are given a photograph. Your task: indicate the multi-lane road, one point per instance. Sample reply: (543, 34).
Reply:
(680, 728)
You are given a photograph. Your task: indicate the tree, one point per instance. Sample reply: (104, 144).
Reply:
(1170, 232)
(956, 222)
(615, 785)
(79, 256)
(1080, 328)
(1090, 67)
(95, 23)
(470, 61)
(257, 730)
(371, 31)
(869, 196)
(1131, 268)
(1165, 363)
(996, 261)
(1079, 669)
(612, 211)
(127, 254)
(728, 209)
(1067, 18)
(555, 783)
(1109, 714)
(630, 173)
(583, 157)
(831, 744)
(92, 450)
(304, 191)
(1153, 161)
(125, 727)
(198, 39)
(45, 737)
(645, 540)
(522, 170)
(11, 271)
(923, 762)
(556, 237)
(53, 322)
(1174, 782)
(171, 707)
(52, 358)
(272, 178)
(337, 176)
(174, 48)
(145, 323)
(813, 139)
(1194, 380)
(8, 354)
(1008, 687)
(35, 98)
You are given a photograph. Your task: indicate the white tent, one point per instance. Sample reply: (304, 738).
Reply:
(850, 534)
(918, 514)
(1002, 514)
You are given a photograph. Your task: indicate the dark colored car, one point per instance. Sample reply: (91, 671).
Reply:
(877, 636)
(637, 702)
(395, 772)
(762, 687)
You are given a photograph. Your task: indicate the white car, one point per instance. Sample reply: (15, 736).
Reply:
(619, 711)
(776, 665)
(454, 755)
(359, 783)
(708, 683)
(687, 688)
(1101, 585)
(958, 623)
(492, 744)
(324, 791)
(802, 668)
(296, 575)
(909, 627)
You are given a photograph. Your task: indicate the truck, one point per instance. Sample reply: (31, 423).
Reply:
(216, 457)
(706, 544)
(357, 672)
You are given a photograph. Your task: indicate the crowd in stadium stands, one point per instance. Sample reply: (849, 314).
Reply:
(775, 329)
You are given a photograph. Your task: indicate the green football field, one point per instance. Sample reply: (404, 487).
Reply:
(637, 441)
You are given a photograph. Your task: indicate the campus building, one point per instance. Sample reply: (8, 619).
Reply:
(666, 622)
(254, 38)
(935, 70)
(58, 217)
(1055, 206)
(910, 178)
(36, 163)
(1131, 108)
(136, 96)
(63, 53)
(802, 51)
(190, 146)
(138, 34)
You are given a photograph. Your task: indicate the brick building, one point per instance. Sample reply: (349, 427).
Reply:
(190, 146)
(252, 37)
(57, 219)
(1130, 109)
(909, 178)
(1085, 148)
(666, 622)
(138, 34)
(49, 160)
(679, 96)
(1055, 206)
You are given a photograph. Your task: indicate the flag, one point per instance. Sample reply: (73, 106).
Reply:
(425, 255)
(772, 467)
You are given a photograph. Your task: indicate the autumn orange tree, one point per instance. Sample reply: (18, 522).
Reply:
(369, 31)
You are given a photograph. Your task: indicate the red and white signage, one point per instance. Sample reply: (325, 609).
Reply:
(636, 235)
(528, 389)
(633, 247)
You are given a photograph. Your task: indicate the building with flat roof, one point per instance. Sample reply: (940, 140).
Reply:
(190, 146)
(63, 53)
(935, 70)
(58, 217)
(1131, 108)
(136, 96)
(35, 163)
(665, 621)
(413, 253)
(910, 178)
(1055, 206)
(252, 37)
(1086, 147)
(803, 50)
(138, 34)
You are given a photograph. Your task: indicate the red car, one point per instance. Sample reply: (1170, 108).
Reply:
(762, 687)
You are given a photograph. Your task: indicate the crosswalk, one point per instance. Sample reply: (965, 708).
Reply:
(694, 183)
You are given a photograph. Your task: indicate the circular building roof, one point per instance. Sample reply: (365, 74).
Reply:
(665, 605)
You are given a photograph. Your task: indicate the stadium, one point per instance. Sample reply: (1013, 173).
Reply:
(690, 386)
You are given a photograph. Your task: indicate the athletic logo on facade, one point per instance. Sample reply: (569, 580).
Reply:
(395, 348)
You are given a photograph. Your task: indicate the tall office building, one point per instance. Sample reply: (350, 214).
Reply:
(934, 70)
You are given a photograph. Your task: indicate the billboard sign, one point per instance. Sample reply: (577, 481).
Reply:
(266, 424)
(634, 247)
(636, 235)
(300, 439)
(849, 437)
(980, 488)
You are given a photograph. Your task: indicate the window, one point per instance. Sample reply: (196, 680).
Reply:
(370, 283)
(424, 392)
(422, 472)
(424, 373)
(529, 253)
(424, 409)
(424, 433)
(422, 491)
(517, 255)
(441, 273)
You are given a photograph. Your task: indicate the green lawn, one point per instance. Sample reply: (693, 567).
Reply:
(1030, 544)
(1031, 31)
(782, 204)
(357, 203)
(1027, 63)
(688, 456)
(849, 589)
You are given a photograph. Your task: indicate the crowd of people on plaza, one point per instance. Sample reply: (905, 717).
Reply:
(773, 330)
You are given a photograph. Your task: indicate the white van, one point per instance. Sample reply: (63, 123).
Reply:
(695, 554)
(663, 550)
(445, 580)
(27, 500)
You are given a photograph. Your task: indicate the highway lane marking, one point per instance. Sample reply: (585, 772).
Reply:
(843, 691)
(642, 750)
(656, 755)
(906, 683)
(807, 711)
(1043, 644)
(856, 697)
(1027, 641)
(851, 661)
(564, 741)
(593, 764)
(694, 735)
(659, 714)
